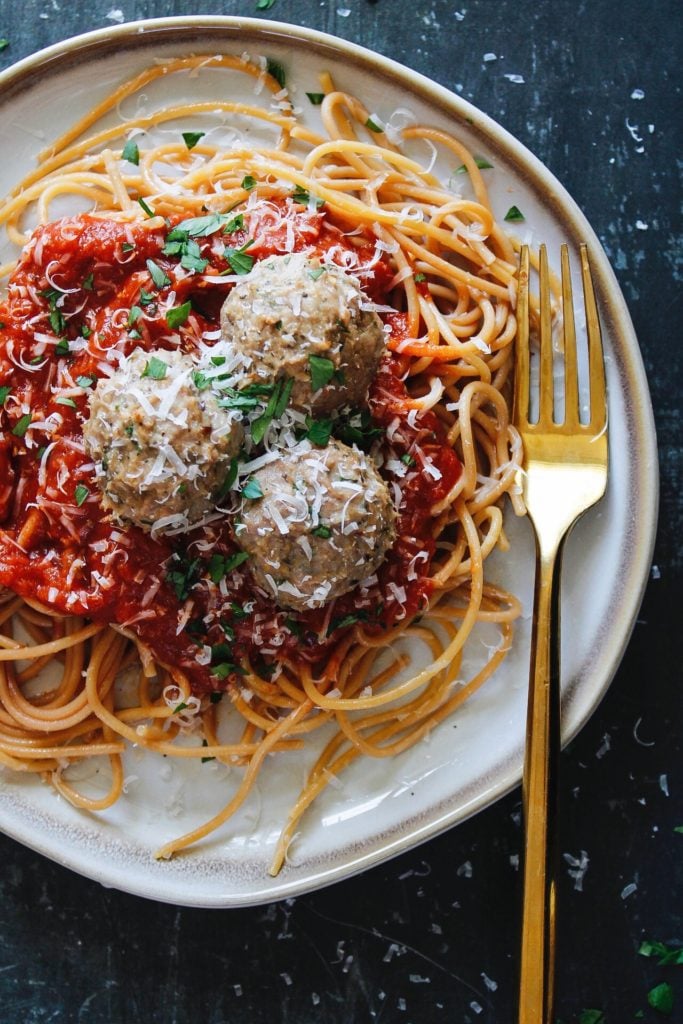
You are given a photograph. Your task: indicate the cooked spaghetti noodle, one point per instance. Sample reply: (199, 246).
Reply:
(89, 601)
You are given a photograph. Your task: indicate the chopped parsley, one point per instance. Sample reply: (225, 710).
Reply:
(134, 315)
(666, 954)
(252, 489)
(482, 163)
(419, 278)
(319, 431)
(322, 531)
(157, 274)
(201, 227)
(661, 998)
(514, 213)
(127, 247)
(22, 425)
(85, 382)
(205, 760)
(358, 429)
(4, 392)
(4, 43)
(184, 576)
(146, 207)
(407, 459)
(131, 153)
(216, 697)
(65, 401)
(180, 707)
(247, 398)
(275, 408)
(155, 368)
(264, 5)
(321, 370)
(316, 273)
(277, 72)
(306, 198)
(221, 565)
(88, 282)
(316, 98)
(248, 182)
(191, 258)
(192, 138)
(373, 126)
(346, 620)
(81, 493)
(146, 298)
(229, 480)
(238, 259)
(62, 347)
(178, 315)
(591, 1017)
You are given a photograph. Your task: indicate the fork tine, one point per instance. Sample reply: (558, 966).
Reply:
(545, 403)
(521, 395)
(596, 363)
(571, 377)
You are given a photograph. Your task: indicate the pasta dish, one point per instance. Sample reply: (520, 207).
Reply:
(255, 438)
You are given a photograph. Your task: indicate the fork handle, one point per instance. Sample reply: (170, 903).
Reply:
(540, 792)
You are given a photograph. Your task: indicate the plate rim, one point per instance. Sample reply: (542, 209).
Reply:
(613, 305)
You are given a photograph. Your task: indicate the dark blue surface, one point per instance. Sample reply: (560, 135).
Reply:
(432, 936)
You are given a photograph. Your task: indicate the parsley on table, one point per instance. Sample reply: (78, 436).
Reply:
(666, 954)
(661, 998)
(192, 138)
(178, 315)
(81, 493)
(131, 153)
(264, 5)
(155, 368)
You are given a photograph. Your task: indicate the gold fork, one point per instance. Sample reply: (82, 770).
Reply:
(564, 472)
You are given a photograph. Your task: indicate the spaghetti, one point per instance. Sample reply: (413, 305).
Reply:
(169, 228)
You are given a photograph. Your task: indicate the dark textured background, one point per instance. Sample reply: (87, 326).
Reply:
(418, 940)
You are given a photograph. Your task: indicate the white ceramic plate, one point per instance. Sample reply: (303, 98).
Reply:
(386, 807)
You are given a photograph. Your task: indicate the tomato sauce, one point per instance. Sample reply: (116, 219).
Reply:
(76, 296)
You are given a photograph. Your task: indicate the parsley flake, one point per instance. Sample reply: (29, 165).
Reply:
(514, 213)
(248, 182)
(306, 198)
(277, 72)
(321, 370)
(252, 489)
(373, 126)
(22, 425)
(4, 392)
(192, 138)
(316, 98)
(177, 316)
(155, 368)
(661, 998)
(482, 163)
(239, 260)
(65, 401)
(157, 274)
(81, 493)
(131, 153)
(277, 404)
(146, 207)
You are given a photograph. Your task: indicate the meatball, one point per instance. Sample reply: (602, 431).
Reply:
(162, 447)
(324, 522)
(292, 308)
